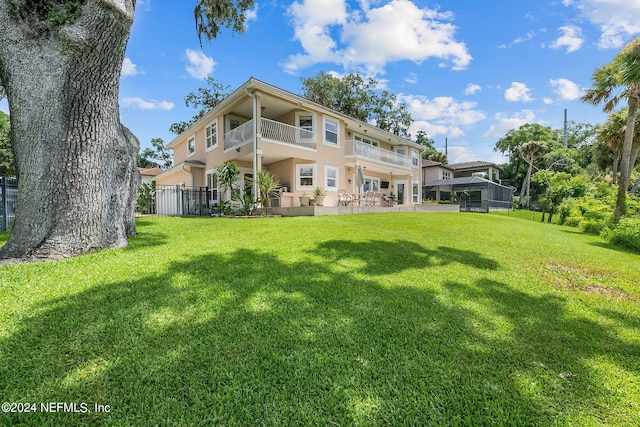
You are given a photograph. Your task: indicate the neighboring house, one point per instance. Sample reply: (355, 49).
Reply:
(147, 174)
(305, 145)
(474, 185)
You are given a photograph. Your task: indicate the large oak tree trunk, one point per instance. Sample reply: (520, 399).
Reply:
(76, 164)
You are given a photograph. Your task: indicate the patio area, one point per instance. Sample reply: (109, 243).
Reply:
(351, 210)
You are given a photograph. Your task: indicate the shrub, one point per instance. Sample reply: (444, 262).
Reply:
(626, 233)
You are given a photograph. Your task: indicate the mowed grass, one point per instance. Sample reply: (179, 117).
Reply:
(377, 319)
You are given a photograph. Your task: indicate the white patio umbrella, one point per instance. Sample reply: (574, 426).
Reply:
(360, 179)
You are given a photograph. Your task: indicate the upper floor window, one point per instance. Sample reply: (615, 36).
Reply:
(211, 136)
(304, 122)
(331, 132)
(191, 146)
(415, 157)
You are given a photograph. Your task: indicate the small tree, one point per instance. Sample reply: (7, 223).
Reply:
(529, 151)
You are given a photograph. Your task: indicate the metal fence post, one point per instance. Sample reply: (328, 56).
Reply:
(5, 207)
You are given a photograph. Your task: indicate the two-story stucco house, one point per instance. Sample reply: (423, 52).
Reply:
(305, 145)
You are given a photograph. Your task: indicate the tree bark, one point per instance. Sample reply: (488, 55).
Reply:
(75, 162)
(627, 147)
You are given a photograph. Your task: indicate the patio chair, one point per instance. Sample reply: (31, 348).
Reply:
(377, 198)
(343, 198)
(368, 198)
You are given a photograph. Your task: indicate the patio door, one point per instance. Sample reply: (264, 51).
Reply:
(401, 191)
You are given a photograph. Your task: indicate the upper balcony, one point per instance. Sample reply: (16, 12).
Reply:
(272, 131)
(372, 153)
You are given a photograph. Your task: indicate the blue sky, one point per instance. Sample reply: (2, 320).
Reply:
(469, 70)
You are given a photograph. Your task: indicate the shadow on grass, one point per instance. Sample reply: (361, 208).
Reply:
(145, 237)
(245, 338)
(387, 257)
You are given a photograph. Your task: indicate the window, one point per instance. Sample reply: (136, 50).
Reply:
(371, 184)
(211, 136)
(306, 177)
(331, 177)
(416, 192)
(414, 157)
(331, 132)
(304, 121)
(191, 146)
(446, 175)
(212, 184)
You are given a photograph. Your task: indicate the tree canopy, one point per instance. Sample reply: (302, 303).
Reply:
(360, 98)
(156, 157)
(203, 100)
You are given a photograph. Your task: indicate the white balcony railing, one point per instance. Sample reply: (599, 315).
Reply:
(280, 132)
(272, 131)
(242, 135)
(377, 154)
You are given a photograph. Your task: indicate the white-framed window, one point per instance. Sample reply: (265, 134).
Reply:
(191, 146)
(415, 157)
(371, 183)
(415, 191)
(366, 140)
(305, 176)
(331, 132)
(331, 178)
(212, 185)
(211, 136)
(306, 123)
(446, 175)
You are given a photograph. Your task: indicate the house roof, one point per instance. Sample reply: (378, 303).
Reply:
(254, 85)
(150, 171)
(432, 163)
(472, 165)
(467, 180)
(193, 163)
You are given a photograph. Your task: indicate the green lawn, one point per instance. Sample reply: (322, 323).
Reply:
(378, 319)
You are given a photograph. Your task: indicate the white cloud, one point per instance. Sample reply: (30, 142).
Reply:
(518, 92)
(618, 20)
(441, 116)
(200, 65)
(460, 154)
(147, 105)
(370, 38)
(571, 38)
(504, 123)
(547, 101)
(128, 68)
(566, 89)
(472, 89)
(411, 78)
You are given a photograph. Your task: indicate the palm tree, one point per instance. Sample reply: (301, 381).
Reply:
(529, 151)
(228, 176)
(267, 185)
(612, 134)
(613, 82)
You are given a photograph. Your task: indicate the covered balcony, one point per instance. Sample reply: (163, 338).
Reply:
(364, 151)
(271, 131)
